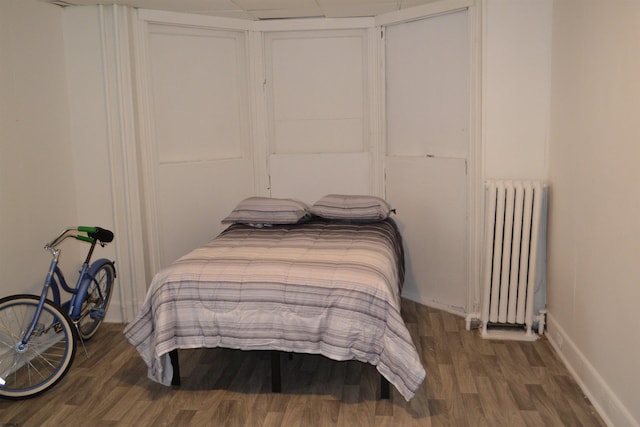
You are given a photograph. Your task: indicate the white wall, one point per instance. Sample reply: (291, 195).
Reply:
(37, 185)
(515, 90)
(594, 238)
(90, 149)
(88, 121)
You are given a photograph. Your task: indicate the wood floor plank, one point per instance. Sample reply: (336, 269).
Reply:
(273, 419)
(329, 412)
(548, 407)
(474, 413)
(461, 363)
(293, 415)
(470, 382)
(521, 396)
(578, 402)
(585, 414)
(533, 418)
(498, 400)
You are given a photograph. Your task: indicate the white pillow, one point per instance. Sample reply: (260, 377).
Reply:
(352, 208)
(260, 211)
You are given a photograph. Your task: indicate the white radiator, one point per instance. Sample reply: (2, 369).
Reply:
(514, 254)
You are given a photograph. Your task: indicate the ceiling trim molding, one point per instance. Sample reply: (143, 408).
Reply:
(178, 18)
(313, 24)
(422, 11)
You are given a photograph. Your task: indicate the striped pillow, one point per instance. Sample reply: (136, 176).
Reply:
(261, 211)
(352, 208)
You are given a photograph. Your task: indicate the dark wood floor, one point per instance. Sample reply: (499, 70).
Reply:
(470, 382)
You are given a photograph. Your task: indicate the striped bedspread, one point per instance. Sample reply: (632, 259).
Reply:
(321, 287)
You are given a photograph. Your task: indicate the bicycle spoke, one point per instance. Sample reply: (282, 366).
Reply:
(19, 321)
(47, 354)
(35, 369)
(96, 301)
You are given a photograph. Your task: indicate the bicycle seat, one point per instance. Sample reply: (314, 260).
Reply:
(102, 234)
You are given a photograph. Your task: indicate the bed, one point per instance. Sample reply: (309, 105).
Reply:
(315, 282)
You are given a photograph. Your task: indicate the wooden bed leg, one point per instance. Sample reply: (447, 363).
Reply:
(276, 381)
(173, 355)
(384, 388)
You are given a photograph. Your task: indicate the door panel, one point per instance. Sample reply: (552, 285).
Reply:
(317, 86)
(430, 197)
(427, 109)
(202, 164)
(427, 69)
(192, 200)
(322, 174)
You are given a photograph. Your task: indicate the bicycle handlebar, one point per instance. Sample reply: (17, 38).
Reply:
(93, 234)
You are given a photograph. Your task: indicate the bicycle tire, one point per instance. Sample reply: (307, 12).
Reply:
(96, 300)
(49, 352)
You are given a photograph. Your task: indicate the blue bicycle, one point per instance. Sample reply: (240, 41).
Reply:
(38, 335)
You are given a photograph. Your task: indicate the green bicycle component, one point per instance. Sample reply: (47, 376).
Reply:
(86, 229)
(85, 238)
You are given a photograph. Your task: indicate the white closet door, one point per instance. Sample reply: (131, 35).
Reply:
(427, 107)
(202, 163)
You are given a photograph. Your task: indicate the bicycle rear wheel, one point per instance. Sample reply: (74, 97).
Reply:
(36, 367)
(96, 301)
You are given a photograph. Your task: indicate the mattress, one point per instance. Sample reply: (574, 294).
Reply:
(322, 287)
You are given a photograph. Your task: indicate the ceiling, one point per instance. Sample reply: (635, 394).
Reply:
(264, 9)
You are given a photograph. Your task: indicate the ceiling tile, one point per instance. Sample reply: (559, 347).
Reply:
(347, 3)
(286, 13)
(410, 3)
(352, 10)
(275, 4)
(279, 9)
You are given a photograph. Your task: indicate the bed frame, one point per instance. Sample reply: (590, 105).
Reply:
(276, 374)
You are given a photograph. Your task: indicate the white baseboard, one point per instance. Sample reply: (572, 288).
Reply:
(458, 311)
(115, 312)
(604, 400)
(498, 334)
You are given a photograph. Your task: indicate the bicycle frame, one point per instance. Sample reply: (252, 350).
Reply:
(55, 279)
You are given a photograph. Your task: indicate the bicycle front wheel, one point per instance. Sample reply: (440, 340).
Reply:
(96, 301)
(31, 369)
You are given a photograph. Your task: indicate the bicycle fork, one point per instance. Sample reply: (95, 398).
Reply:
(33, 328)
